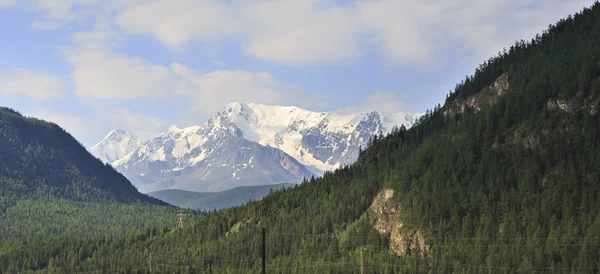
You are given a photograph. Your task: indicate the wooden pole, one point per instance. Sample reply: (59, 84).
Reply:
(263, 251)
(362, 261)
(150, 263)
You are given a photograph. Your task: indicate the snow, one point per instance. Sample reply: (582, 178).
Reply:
(280, 127)
(198, 158)
(115, 145)
(262, 123)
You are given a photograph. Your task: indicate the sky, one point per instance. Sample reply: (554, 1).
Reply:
(143, 65)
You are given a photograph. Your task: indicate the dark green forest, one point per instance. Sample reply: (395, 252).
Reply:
(503, 178)
(50, 185)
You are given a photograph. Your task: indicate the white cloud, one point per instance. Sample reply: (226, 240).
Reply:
(97, 40)
(35, 85)
(175, 22)
(105, 75)
(77, 126)
(384, 101)
(102, 74)
(426, 33)
(287, 31)
(58, 12)
(131, 121)
(7, 3)
(292, 31)
(398, 27)
(409, 32)
(213, 90)
(90, 130)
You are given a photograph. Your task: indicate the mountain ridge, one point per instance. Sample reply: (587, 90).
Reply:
(305, 142)
(458, 193)
(40, 158)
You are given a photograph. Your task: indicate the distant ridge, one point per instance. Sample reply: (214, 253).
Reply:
(216, 200)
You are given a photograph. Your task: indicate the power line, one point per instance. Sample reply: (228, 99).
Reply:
(383, 236)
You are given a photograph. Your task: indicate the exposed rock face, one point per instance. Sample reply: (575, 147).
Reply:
(388, 222)
(237, 227)
(574, 105)
(488, 95)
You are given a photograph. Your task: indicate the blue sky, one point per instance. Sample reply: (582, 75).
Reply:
(143, 65)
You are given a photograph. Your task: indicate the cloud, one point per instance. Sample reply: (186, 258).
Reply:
(412, 33)
(102, 74)
(213, 90)
(300, 32)
(131, 121)
(399, 28)
(7, 3)
(175, 22)
(82, 129)
(384, 101)
(90, 129)
(57, 13)
(287, 31)
(35, 85)
(97, 40)
(106, 75)
(409, 32)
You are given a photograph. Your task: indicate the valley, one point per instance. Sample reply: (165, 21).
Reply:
(501, 177)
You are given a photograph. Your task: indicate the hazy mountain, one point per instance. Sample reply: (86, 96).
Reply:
(215, 200)
(246, 144)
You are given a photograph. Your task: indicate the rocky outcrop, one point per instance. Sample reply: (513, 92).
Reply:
(247, 223)
(488, 95)
(388, 221)
(574, 105)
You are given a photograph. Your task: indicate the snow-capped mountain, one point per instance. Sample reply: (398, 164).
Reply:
(251, 144)
(320, 140)
(115, 146)
(211, 157)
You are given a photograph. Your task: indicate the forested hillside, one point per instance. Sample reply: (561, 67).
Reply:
(51, 185)
(503, 178)
(40, 158)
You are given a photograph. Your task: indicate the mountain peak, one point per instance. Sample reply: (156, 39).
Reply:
(319, 141)
(115, 133)
(174, 128)
(115, 145)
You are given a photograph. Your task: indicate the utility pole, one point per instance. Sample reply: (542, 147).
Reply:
(150, 263)
(180, 215)
(362, 261)
(263, 245)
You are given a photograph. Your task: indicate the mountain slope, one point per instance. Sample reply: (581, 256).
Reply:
(209, 158)
(320, 140)
(178, 197)
(38, 156)
(201, 158)
(490, 182)
(50, 184)
(207, 201)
